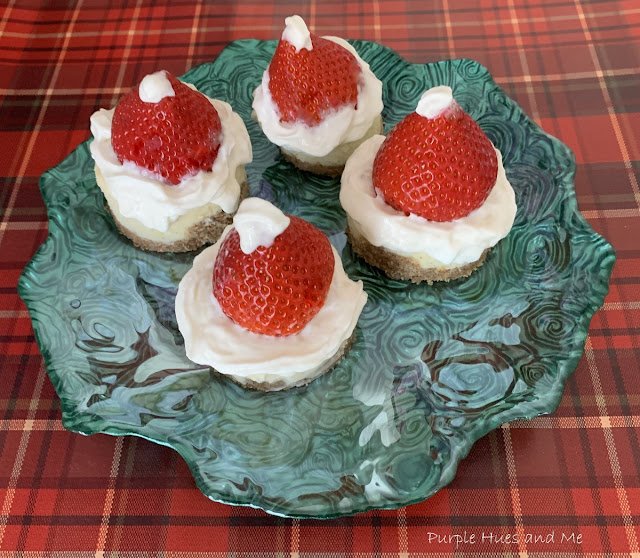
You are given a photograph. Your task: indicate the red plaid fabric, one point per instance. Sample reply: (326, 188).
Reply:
(562, 485)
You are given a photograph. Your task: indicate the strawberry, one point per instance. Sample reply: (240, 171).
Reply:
(279, 289)
(173, 138)
(307, 84)
(439, 168)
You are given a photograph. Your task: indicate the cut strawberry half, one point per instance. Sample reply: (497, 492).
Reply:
(275, 290)
(305, 84)
(174, 138)
(440, 168)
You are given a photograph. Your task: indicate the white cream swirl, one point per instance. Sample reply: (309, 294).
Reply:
(258, 223)
(155, 87)
(451, 243)
(212, 339)
(435, 101)
(143, 196)
(340, 126)
(297, 33)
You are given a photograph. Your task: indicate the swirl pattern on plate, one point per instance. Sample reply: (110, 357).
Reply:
(431, 369)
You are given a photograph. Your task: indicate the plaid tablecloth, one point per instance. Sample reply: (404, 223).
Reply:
(572, 477)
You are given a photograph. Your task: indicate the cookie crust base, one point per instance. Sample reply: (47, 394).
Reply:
(315, 168)
(406, 268)
(281, 385)
(325, 166)
(206, 231)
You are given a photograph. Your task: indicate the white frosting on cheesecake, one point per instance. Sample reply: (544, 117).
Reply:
(258, 223)
(297, 33)
(155, 87)
(346, 124)
(430, 243)
(143, 197)
(213, 339)
(435, 101)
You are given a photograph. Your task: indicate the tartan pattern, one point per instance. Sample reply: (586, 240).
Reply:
(573, 66)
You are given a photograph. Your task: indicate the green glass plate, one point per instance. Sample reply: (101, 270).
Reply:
(432, 369)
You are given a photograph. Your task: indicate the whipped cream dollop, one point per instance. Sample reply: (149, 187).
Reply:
(297, 33)
(339, 126)
(155, 87)
(143, 196)
(258, 223)
(451, 243)
(435, 101)
(213, 339)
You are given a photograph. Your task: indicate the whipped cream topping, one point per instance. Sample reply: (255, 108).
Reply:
(450, 243)
(258, 223)
(435, 101)
(143, 196)
(212, 339)
(339, 126)
(155, 87)
(297, 33)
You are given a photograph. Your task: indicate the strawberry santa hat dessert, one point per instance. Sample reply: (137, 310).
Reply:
(170, 162)
(269, 304)
(429, 201)
(318, 99)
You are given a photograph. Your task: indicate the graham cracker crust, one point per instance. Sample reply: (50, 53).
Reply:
(404, 268)
(315, 168)
(281, 385)
(204, 232)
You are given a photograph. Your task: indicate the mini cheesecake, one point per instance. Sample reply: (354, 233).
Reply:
(429, 201)
(170, 163)
(318, 100)
(269, 305)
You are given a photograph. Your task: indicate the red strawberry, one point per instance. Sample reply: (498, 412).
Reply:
(173, 138)
(279, 289)
(308, 83)
(438, 168)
